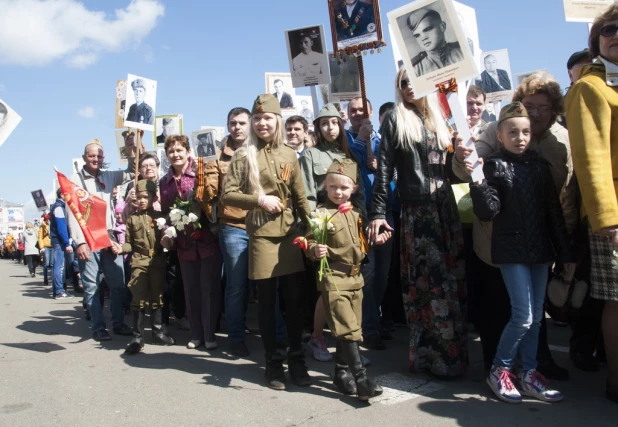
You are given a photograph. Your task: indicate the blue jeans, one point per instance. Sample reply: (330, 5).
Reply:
(375, 275)
(47, 262)
(234, 247)
(111, 266)
(58, 269)
(526, 285)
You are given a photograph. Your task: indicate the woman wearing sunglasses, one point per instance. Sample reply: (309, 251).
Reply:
(415, 142)
(592, 111)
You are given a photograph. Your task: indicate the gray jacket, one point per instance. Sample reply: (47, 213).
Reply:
(30, 238)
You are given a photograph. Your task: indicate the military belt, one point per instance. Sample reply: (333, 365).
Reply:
(146, 252)
(351, 270)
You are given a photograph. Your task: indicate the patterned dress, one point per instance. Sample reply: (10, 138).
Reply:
(433, 278)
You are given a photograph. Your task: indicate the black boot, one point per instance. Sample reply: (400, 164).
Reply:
(158, 336)
(297, 368)
(275, 376)
(365, 387)
(137, 343)
(343, 381)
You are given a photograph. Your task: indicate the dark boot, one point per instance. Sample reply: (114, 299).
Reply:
(297, 368)
(365, 387)
(275, 376)
(137, 343)
(343, 381)
(158, 336)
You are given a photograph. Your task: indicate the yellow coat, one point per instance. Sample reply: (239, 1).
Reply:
(43, 236)
(592, 112)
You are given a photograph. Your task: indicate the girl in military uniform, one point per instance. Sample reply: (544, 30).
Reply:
(264, 178)
(341, 288)
(147, 284)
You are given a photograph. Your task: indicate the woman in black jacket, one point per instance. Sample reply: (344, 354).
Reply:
(415, 142)
(529, 230)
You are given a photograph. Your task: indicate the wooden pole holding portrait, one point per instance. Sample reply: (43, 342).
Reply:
(137, 144)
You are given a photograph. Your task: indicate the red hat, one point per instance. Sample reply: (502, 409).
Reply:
(45, 216)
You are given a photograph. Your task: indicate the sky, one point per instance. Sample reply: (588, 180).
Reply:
(60, 59)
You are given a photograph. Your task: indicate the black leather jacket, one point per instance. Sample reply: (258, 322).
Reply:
(520, 197)
(413, 170)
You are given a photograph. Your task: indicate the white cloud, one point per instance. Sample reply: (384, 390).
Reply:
(38, 32)
(86, 112)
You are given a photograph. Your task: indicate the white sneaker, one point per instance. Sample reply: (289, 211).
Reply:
(531, 383)
(320, 352)
(183, 324)
(211, 345)
(500, 382)
(193, 344)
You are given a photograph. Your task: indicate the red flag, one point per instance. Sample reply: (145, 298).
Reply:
(90, 212)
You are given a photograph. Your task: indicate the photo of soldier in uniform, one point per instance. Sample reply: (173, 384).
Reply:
(306, 108)
(280, 85)
(432, 43)
(354, 22)
(9, 120)
(204, 144)
(141, 97)
(39, 200)
(344, 79)
(166, 126)
(495, 80)
(307, 56)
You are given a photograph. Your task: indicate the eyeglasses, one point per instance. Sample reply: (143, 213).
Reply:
(609, 30)
(405, 84)
(144, 166)
(541, 111)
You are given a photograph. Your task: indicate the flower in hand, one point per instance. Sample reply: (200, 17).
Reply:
(301, 242)
(160, 223)
(345, 207)
(171, 233)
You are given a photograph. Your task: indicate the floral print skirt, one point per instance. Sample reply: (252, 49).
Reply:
(434, 287)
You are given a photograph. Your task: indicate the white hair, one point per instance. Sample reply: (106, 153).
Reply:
(409, 128)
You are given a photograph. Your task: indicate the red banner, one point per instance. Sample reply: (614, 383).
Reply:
(89, 211)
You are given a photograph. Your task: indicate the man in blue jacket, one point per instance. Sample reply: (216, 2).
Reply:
(61, 243)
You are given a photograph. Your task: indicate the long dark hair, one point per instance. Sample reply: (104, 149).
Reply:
(342, 139)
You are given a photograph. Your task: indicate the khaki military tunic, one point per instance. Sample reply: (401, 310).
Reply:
(148, 275)
(342, 292)
(314, 163)
(271, 252)
(428, 62)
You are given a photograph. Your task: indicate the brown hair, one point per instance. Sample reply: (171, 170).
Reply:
(171, 140)
(544, 83)
(474, 91)
(611, 14)
(298, 119)
(342, 139)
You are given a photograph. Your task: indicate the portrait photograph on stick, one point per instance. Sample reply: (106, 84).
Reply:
(9, 120)
(466, 16)
(344, 79)
(164, 163)
(308, 56)
(121, 135)
(280, 85)
(121, 103)
(204, 143)
(354, 22)
(432, 44)
(39, 200)
(166, 125)
(495, 79)
(141, 101)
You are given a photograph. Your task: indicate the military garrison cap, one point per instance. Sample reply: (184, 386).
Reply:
(347, 167)
(138, 83)
(417, 16)
(146, 185)
(266, 103)
(329, 110)
(514, 109)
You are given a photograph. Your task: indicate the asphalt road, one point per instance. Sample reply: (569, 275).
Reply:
(53, 373)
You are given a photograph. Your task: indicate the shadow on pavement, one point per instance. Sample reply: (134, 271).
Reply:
(42, 347)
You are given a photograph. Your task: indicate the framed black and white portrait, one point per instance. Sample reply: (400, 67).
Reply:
(204, 143)
(308, 56)
(280, 85)
(165, 126)
(354, 22)
(9, 120)
(39, 200)
(164, 163)
(344, 79)
(121, 135)
(432, 44)
(141, 99)
(495, 79)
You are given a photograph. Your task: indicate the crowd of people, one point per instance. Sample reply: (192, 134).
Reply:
(367, 226)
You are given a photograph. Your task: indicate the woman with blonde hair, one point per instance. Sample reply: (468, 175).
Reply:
(264, 178)
(592, 110)
(416, 142)
(30, 251)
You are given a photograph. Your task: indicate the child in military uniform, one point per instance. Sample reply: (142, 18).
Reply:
(341, 289)
(147, 283)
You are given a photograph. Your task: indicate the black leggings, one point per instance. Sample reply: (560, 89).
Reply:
(32, 261)
(290, 293)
